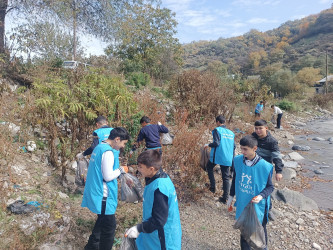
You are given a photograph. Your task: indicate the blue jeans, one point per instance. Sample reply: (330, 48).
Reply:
(226, 177)
(278, 120)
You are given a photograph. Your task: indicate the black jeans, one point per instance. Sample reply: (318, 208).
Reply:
(278, 120)
(226, 178)
(243, 242)
(103, 233)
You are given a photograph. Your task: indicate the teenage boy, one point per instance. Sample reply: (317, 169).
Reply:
(101, 189)
(279, 113)
(268, 147)
(259, 109)
(151, 134)
(252, 181)
(100, 134)
(222, 153)
(160, 228)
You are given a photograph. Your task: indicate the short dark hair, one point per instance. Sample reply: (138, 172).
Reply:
(101, 119)
(249, 141)
(151, 158)
(272, 105)
(120, 132)
(261, 101)
(260, 122)
(220, 119)
(144, 119)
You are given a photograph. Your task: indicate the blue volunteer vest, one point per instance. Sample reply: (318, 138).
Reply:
(172, 228)
(103, 133)
(93, 190)
(224, 153)
(250, 181)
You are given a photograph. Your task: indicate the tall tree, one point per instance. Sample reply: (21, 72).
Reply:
(3, 10)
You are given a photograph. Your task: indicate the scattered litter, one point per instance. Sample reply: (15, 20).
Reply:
(18, 207)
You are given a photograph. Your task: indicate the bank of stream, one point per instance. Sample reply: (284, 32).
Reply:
(320, 159)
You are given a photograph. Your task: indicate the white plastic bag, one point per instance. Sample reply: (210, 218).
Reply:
(131, 189)
(166, 139)
(128, 244)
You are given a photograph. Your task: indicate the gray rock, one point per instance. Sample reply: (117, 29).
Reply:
(274, 214)
(289, 136)
(288, 173)
(300, 221)
(318, 171)
(318, 139)
(330, 139)
(295, 156)
(324, 166)
(300, 124)
(291, 164)
(301, 148)
(295, 199)
(70, 178)
(290, 142)
(316, 246)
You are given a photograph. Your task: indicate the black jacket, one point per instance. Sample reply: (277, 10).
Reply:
(268, 149)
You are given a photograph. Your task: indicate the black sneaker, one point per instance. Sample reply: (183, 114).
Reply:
(223, 200)
(212, 190)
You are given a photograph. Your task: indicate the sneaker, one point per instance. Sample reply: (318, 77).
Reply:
(223, 200)
(212, 190)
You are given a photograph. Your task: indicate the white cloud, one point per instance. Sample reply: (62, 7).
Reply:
(258, 20)
(255, 2)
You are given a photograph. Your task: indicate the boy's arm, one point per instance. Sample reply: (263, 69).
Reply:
(93, 145)
(107, 167)
(232, 189)
(159, 214)
(276, 156)
(268, 189)
(163, 129)
(216, 140)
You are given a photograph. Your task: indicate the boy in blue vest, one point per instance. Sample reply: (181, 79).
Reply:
(259, 109)
(160, 228)
(100, 134)
(101, 189)
(252, 181)
(222, 153)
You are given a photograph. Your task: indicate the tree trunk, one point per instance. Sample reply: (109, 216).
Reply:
(3, 9)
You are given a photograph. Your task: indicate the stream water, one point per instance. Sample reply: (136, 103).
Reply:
(320, 157)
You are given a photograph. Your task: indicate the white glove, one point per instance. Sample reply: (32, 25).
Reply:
(132, 232)
(159, 123)
(229, 201)
(79, 156)
(257, 199)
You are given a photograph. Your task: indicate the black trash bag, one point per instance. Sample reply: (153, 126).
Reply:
(81, 172)
(250, 227)
(18, 207)
(128, 244)
(131, 189)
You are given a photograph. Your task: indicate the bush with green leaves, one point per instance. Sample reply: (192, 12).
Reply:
(287, 105)
(138, 79)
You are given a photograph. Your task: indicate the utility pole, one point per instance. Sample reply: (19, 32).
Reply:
(326, 80)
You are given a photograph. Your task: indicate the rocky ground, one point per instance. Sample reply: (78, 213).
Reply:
(60, 222)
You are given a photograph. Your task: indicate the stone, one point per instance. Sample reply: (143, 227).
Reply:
(316, 162)
(289, 136)
(318, 171)
(300, 124)
(315, 223)
(316, 246)
(62, 195)
(301, 148)
(70, 178)
(290, 142)
(294, 198)
(291, 164)
(295, 156)
(325, 166)
(318, 139)
(288, 173)
(330, 139)
(299, 221)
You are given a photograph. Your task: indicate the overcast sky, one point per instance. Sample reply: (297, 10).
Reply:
(212, 19)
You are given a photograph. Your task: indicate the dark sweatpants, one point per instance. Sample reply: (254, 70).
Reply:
(103, 233)
(245, 245)
(278, 120)
(226, 177)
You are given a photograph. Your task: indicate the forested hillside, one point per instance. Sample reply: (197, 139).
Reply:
(294, 45)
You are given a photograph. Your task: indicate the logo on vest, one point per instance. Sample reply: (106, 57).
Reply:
(245, 184)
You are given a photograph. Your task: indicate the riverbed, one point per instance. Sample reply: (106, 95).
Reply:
(320, 157)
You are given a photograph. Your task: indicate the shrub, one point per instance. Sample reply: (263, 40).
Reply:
(323, 100)
(287, 105)
(138, 79)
